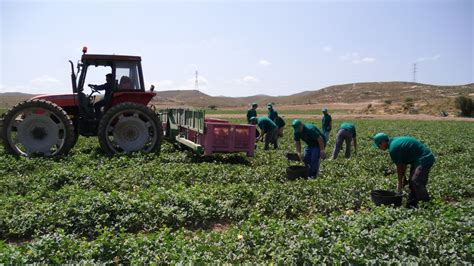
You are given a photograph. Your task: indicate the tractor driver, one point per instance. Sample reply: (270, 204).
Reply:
(108, 87)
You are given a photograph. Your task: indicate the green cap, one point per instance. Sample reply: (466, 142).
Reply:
(254, 104)
(324, 110)
(296, 123)
(378, 138)
(269, 105)
(253, 119)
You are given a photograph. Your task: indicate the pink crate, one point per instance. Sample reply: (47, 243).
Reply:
(228, 138)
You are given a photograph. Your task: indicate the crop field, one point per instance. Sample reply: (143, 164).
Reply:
(179, 207)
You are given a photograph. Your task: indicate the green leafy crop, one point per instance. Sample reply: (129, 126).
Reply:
(179, 207)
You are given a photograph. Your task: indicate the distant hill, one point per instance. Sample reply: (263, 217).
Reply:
(379, 91)
(8, 99)
(193, 98)
(345, 93)
(368, 92)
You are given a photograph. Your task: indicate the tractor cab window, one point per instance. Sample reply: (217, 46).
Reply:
(127, 76)
(96, 77)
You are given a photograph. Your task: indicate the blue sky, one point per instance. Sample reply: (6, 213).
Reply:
(240, 48)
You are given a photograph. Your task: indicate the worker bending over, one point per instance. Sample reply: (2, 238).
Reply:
(406, 151)
(315, 142)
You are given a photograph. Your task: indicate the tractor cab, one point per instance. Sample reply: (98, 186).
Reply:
(95, 94)
(92, 86)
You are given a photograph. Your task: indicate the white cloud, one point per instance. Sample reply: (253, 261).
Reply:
(250, 79)
(201, 80)
(368, 60)
(41, 85)
(161, 85)
(166, 83)
(186, 84)
(46, 81)
(264, 62)
(349, 56)
(327, 48)
(209, 43)
(244, 81)
(355, 58)
(428, 58)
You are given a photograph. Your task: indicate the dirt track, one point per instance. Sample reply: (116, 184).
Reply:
(360, 116)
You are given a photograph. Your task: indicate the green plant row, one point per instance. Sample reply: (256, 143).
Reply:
(165, 208)
(437, 233)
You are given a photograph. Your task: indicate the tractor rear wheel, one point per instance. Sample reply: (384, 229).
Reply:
(37, 127)
(130, 127)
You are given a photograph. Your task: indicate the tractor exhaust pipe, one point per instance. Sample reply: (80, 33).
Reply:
(73, 78)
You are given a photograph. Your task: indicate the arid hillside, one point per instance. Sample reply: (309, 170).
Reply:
(369, 98)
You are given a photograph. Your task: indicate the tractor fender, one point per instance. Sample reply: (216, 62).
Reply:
(62, 100)
(138, 97)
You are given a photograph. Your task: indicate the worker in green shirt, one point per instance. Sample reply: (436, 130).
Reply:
(252, 112)
(406, 151)
(346, 133)
(326, 123)
(269, 131)
(273, 115)
(315, 142)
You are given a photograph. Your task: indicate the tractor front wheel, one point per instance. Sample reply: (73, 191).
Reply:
(37, 127)
(130, 127)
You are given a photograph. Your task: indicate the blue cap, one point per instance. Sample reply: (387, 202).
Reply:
(378, 138)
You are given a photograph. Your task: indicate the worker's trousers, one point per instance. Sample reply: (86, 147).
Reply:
(271, 138)
(312, 159)
(417, 184)
(341, 137)
(326, 135)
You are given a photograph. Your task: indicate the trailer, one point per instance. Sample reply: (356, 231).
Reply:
(206, 136)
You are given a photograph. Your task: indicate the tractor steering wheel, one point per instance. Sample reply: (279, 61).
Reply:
(93, 89)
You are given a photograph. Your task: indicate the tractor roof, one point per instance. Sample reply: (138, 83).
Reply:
(102, 59)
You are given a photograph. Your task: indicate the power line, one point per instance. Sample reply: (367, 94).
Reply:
(415, 70)
(196, 83)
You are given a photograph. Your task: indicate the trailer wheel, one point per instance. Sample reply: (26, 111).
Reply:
(37, 127)
(130, 127)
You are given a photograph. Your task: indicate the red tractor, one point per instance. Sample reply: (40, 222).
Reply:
(49, 125)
